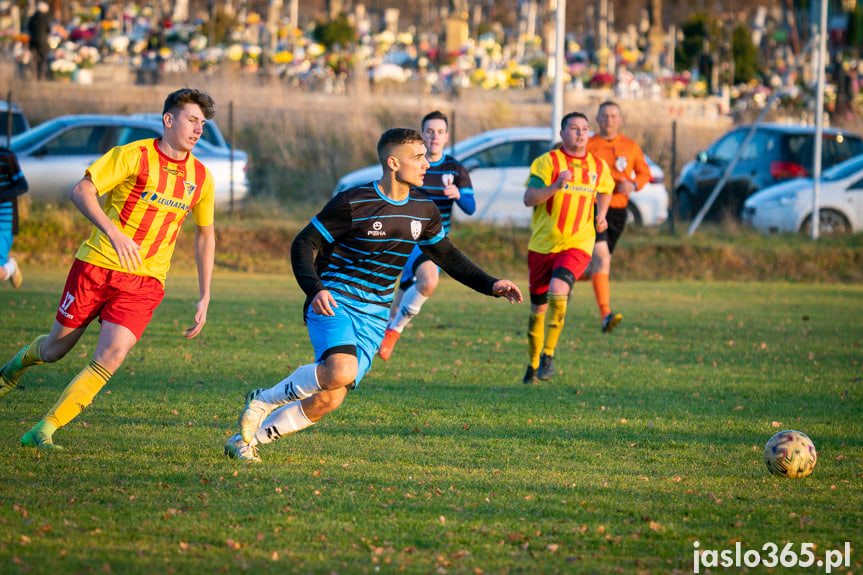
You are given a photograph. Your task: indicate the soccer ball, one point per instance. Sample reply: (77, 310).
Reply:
(791, 454)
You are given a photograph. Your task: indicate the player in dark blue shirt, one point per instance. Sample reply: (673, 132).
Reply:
(12, 184)
(447, 182)
(347, 261)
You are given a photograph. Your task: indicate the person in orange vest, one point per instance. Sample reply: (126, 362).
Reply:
(630, 172)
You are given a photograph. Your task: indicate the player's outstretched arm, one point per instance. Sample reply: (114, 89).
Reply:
(459, 266)
(205, 255)
(507, 289)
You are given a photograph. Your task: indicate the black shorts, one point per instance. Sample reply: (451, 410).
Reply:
(616, 218)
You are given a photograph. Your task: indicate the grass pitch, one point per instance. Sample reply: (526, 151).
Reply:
(646, 441)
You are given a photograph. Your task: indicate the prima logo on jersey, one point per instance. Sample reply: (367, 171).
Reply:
(620, 163)
(64, 307)
(153, 197)
(416, 228)
(174, 171)
(377, 230)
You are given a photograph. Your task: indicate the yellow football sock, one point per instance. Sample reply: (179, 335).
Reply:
(33, 355)
(78, 394)
(535, 335)
(557, 315)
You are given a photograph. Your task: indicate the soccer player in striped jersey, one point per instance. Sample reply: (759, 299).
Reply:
(630, 172)
(446, 182)
(347, 261)
(118, 275)
(563, 188)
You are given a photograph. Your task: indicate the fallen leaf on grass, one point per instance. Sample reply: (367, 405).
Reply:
(233, 545)
(654, 526)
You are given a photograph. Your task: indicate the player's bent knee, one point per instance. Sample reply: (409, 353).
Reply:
(564, 275)
(52, 351)
(338, 372)
(427, 288)
(427, 283)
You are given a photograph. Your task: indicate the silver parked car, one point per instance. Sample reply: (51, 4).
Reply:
(55, 154)
(787, 207)
(499, 165)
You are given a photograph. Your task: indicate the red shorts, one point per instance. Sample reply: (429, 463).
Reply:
(119, 297)
(541, 267)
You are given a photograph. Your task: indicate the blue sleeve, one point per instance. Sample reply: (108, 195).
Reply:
(466, 202)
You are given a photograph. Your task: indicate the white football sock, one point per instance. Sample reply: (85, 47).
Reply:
(283, 421)
(10, 266)
(302, 383)
(412, 302)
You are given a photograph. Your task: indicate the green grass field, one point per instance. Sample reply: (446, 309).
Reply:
(646, 441)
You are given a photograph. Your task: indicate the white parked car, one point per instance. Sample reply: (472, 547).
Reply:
(787, 207)
(499, 165)
(55, 154)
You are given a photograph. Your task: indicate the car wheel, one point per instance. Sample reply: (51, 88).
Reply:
(633, 216)
(685, 204)
(831, 223)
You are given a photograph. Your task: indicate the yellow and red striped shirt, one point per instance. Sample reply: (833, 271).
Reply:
(148, 197)
(565, 220)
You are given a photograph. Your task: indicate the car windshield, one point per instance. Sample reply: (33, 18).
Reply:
(470, 143)
(843, 170)
(19, 125)
(835, 148)
(32, 137)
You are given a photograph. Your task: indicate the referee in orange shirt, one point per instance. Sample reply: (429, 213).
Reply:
(630, 172)
(118, 274)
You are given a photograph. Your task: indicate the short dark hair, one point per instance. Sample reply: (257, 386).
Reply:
(607, 103)
(436, 115)
(565, 120)
(183, 96)
(396, 137)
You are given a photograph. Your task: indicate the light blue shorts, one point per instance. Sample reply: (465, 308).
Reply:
(5, 231)
(347, 327)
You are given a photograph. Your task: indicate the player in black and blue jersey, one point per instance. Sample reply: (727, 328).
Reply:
(347, 261)
(447, 182)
